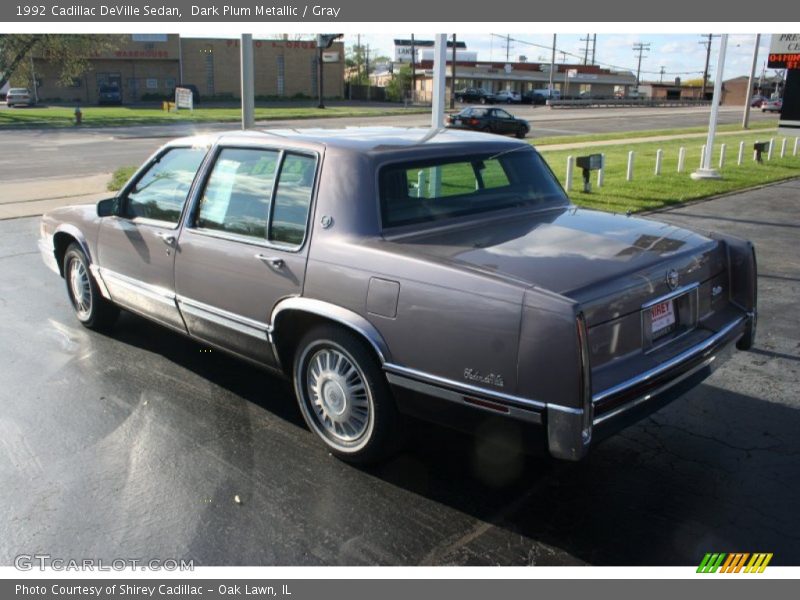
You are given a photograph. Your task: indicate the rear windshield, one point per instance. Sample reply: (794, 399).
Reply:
(433, 190)
(18, 91)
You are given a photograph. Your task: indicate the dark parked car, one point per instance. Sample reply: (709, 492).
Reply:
(443, 274)
(473, 95)
(109, 94)
(490, 120)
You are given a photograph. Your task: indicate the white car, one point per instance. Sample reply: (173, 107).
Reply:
(508, 97)
(19, 97)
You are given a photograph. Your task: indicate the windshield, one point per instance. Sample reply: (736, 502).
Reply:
(432, 190)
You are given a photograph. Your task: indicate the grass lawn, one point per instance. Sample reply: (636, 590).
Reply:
(114, 116)
(647, 191)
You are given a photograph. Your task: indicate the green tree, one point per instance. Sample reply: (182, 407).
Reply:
(70, 52)
(400, 84)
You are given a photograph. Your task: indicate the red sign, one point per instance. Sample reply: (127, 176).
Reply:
(784, 61)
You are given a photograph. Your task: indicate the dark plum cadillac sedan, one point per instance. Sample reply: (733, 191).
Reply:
(392, 271)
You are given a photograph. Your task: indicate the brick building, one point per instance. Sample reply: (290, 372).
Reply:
(148, 66)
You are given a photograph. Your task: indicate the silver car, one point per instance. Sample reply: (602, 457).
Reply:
(387, 272)
(19, 97)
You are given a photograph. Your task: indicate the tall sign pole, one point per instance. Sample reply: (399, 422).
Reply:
(248, 77)
(453, 76)
(439, 77)
(705, 171)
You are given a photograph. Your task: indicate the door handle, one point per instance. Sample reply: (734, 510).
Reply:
(273, 261)
(167, 238)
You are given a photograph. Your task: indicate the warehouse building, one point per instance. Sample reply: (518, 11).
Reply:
(148, 67)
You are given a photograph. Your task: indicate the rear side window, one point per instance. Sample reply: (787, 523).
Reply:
(160, 193)
(447, 187)
(237, 196)
(292, 200)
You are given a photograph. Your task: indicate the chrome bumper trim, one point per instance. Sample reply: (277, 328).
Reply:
(670, 364)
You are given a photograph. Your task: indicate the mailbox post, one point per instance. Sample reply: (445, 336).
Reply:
(589, 163)
(761, 147)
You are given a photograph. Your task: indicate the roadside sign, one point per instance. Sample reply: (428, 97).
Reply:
(184, 98)
(784, 51)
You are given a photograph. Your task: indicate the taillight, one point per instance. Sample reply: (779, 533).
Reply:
(473, 121)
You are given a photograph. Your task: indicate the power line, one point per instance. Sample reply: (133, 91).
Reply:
(641, 49)
(565, 53)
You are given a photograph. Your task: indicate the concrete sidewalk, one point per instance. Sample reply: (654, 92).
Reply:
(31, 197)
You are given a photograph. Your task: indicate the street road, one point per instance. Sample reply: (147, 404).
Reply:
(134, 444)
(43, 153)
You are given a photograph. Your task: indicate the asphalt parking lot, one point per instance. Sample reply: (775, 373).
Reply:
(134, 445)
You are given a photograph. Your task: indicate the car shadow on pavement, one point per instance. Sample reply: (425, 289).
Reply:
(716, 471)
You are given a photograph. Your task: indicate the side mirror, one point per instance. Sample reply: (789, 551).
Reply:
(107, 207)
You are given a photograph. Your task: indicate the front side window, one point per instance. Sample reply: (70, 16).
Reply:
(434, 190)
(160, 193)
(237, 196)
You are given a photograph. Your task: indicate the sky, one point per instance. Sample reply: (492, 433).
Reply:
(680, 55)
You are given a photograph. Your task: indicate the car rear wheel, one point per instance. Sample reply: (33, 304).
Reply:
(521, 132)
(344, 396)
(483, 100)
(92, 310)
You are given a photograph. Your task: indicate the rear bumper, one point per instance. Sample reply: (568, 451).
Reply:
(563, 428)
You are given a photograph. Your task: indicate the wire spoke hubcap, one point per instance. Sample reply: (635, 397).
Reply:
(80, 288)
(338, 395)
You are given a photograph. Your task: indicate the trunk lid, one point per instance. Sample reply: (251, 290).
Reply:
(611, 264)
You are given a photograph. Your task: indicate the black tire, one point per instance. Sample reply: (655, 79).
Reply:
(336, 413)
(459, 98)
(483, 100)
(92, 309)
(521, 133)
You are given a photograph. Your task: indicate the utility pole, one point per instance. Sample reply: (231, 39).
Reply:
(453, 76)
(661, 74)
(358, 58)
(594, 46)
(508, 46)
(413, 70)
(641, 49)
(366, 67)
(749, 97)
(707, 44)
(552, 66)
(587, 39)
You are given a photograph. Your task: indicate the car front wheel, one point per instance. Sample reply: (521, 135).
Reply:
(344, 397)
(483, 100)
(92, 310)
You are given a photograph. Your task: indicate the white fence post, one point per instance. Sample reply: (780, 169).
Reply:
(570, 165)
(755, 152)
(771, 146)
(659, 155)
(702, 156)
(796, 140)
(601, 172)
(681, 158)
(629, 174)
(783, 147)
(722, 149)
(741, 153)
